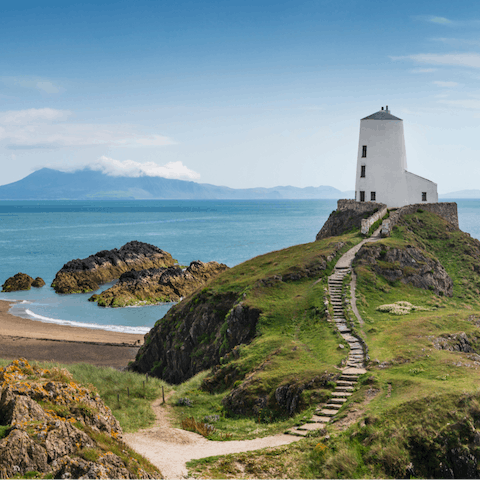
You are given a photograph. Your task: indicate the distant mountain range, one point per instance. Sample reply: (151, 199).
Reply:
(462, 194)
(49, 184)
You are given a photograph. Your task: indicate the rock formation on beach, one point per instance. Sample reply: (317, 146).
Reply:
(155, 285)
(21, 281)
(52, 427)
(87, 274)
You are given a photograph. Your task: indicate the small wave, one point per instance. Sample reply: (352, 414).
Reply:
(95, 326)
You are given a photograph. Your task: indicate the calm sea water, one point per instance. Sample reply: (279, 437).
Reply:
(38, 238)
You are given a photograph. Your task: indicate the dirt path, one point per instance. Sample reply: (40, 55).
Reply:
(170, 448)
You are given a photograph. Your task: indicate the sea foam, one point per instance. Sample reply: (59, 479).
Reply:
(95, 326)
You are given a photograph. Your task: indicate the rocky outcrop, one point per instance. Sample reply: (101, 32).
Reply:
(408, 265)
(456, 342)
(194, 335)
(21, 281)
(49, 427)
(157, 285)
(85, 275)
(348, 217)
(252, 398)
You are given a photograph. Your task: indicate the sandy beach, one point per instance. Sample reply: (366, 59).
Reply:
(34, 340)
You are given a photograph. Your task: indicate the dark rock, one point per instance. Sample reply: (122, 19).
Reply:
(85, 275)
(457, 342)
(156, 285)
(20, 281)
(409, 265)
(194, 335)
(38, 282)
(251, 397)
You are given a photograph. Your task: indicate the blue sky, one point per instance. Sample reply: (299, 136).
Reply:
(238, 93)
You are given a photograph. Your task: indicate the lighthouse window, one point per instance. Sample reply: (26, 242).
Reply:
(424, 196)
(362, 196)
(362, 173)
(373, 196)
(364, 151)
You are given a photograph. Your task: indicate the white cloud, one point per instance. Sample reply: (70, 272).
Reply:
(470, 104)
(47, 128)
(34, 83)
(439, 20)
(33, 116)
(130, 168)
(445, 84)
(423, 70)
(451, 59)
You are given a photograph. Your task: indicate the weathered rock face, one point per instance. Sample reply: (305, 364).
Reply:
(408, 265)
(156, 285)
(456, 342)
(49, 425)
(348, 216)
(194, 335)
(85, 275)
(251, 398)
(21, 281)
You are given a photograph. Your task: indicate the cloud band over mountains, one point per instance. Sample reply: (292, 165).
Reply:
(130, 168)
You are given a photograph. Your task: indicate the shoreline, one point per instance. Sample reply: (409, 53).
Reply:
(36, 340)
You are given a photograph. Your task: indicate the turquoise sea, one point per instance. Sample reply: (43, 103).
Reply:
(38, 238)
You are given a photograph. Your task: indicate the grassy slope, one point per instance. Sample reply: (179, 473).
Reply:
(423, 403)
(294, 342)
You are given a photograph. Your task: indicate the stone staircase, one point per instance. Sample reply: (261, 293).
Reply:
(355, 360)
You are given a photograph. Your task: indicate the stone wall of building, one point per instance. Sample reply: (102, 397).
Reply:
(348, 216)
(446, 210)
(368, 222)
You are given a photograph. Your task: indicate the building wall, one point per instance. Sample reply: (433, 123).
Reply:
(385, 162)
(416, 185)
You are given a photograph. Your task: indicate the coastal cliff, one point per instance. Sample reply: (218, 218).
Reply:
(155, 285)
(87, 274)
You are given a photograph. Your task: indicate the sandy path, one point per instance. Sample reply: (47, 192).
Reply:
(170, 448)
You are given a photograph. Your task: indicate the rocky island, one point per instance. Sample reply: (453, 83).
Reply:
(158, 285)
(21, 281)
(87, 274)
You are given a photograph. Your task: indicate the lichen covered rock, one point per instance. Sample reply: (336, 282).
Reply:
(51, 425)
(157, 285)
(86, 275)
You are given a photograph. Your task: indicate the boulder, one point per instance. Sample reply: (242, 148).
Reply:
(38, 282)
(20, 281)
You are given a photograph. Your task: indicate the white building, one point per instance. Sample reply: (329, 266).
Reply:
(382, 174)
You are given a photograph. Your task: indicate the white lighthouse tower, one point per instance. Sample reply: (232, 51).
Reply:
(382, 174)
